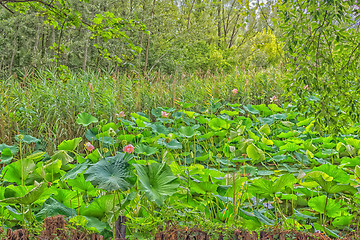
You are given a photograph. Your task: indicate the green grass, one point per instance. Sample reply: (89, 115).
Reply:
(39, 104)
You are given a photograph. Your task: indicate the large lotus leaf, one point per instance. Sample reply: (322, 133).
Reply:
(52, 166)
(145, 150)
(30, 197)
(6, 156)
(94, 224)
(112, 173)
(27, 139)
(86, 119)
(69, 198)
(36, 156)
(333, 208)
(333, 171)
(157, 181)
(70, 145)
(203, 187)
(100, 206)
(51, 208)
(18, 170)
(63, 156)
(290, 147)
(140, 116)
(217, 124)
(159, 128)
(266, 187)
(72, 174)
(80, 184)
(275, 108)
(255, 153)
(229, 113)
(265, 129)
(14, 149)
(342, 221)
(172, 144)
(188, 131)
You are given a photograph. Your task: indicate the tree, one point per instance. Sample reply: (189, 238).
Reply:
(323, 45)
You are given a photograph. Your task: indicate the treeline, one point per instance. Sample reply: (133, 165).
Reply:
(185, 35)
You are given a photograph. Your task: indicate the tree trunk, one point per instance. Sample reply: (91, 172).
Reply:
(234, 31)
(120, 228)
(219, 22)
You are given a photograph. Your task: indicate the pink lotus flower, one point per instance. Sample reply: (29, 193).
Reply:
(128, 148)
(89, 146)
(273, 99)
(306, 87)
(235, 91)
(120, 114)
(164, 114)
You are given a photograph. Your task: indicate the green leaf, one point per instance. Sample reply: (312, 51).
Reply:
(173, 144)
(112, 173)
(342, 221)
(27, 139)
(52, 166)
(14, 171)
(69, 198)
(203, 187)
(217, 124)
(14, 149)
(357, 171)
(145, 150)
(86, 119)
(159, 128)
(6, 156)
(263, 219)
(290, 147)
(63, 156)
(333, 171)
(255, 153)
(333, 208)
(51, 208)
(99, 207)
(188, 131)
(70, 145)
(157, 181)
(29, 197)
(72, 174)
(265, 129)
(305, 122)
(80, 184)
(275, 108)
(230, 113)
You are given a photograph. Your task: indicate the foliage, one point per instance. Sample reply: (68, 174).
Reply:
(322, 44)
(251, 166)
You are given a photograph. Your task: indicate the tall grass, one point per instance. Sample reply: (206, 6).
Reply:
(39, 104)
